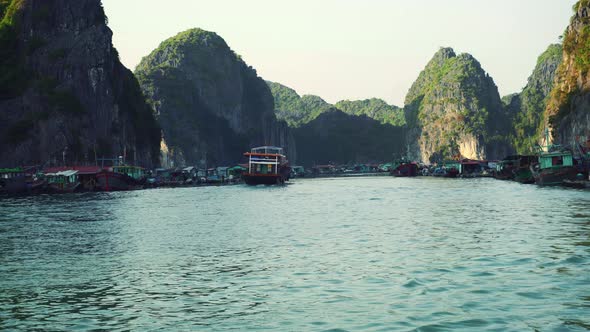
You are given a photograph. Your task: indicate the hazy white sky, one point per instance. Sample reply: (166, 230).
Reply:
(352, 49)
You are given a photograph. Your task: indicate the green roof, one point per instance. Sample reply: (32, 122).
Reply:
(11, 170)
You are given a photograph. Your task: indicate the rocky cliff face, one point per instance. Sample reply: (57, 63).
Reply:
(211, 105)
(568, 109)
(63, 92)
(337, 137)
(527, 108)
(454, 108)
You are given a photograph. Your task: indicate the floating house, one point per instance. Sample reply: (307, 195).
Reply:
(64, 181)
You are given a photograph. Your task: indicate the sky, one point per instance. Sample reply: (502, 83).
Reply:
(352, 49)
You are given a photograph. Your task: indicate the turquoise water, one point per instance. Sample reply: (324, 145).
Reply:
(365, 254)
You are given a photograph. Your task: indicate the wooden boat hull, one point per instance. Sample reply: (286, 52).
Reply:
(406, 170)
(62, 188)
(580, 184)
(505, 176)
(524, 176)
(265, 179)
(14, 185)
(111, 181)
(451, 173)
(555, 176)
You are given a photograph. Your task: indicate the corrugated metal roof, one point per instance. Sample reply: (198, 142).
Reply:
(67, 173)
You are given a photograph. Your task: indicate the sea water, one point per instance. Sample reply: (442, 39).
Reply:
(354, 254)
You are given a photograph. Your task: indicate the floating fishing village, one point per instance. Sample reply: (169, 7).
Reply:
(322, 166)
(268, 165)
(185, 118)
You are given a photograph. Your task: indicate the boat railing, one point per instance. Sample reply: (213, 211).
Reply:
(258, 163)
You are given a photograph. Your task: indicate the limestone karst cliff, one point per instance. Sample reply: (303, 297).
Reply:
(211, 105)
(568, 109)
(527, 108)
(454, 109)
(64, 94)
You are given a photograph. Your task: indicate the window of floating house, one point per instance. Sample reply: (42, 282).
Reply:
(556, 161)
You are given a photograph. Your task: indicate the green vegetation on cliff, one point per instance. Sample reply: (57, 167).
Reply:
(374, 108)
(4, 4)
(294, 109)
(527, 109)
(299, 110)
(13, 77)
(567, 109)
(454, 108)
(64, 89)
(572, 74)
(337, 137)
(577, 41)
(211, 105)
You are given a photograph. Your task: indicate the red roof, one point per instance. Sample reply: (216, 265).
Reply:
(82, 170)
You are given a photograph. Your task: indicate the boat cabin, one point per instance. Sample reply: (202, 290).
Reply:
(132, 171)
(265, 160)
(450, 164)
(62, 179)
(190, 172)
(470, 167)
(556, 159)
(11, 173)
(297, 171)
(213, 176)
(268, 150)
(237, 171)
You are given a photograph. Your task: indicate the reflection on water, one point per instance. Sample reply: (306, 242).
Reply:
(374, 254)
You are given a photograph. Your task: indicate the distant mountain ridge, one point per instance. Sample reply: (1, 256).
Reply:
(374, 108)
(298, 110)
(339, 138)
(294, 109)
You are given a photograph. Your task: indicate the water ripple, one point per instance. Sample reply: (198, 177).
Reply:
(379, 254)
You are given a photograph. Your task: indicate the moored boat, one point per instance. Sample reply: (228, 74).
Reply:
(505, 168)
(63, 182)
(121, 178)
(12, 180)
(298, 172)
(267, 165)
(20, 180)
(450, 169)
(577, 184)
(523, 173)
(404, 169)
(554, 167)
(86, 175)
